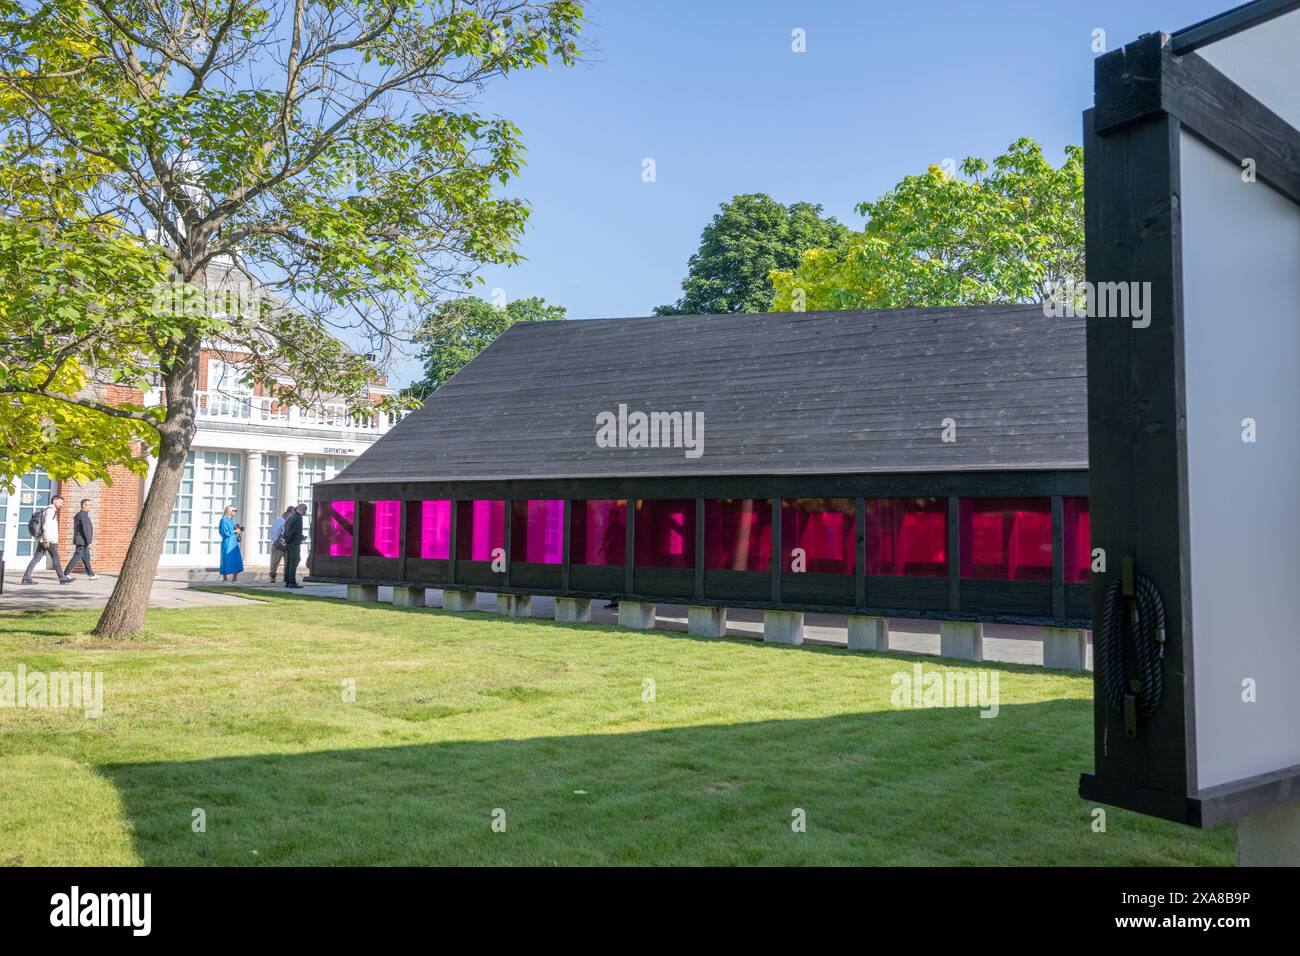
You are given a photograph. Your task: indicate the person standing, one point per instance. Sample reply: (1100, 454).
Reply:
(293, 535)
(232, 562)
(277, 541)
(83, 533)
(45, 532)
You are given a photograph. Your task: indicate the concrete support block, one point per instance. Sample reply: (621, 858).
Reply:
(515, 605)
(454, 599)
(868, 633)
(572, 610)
(408, 597)
(963, 639)
(706, 621)
(363, 592)
(1065, 648)
(783, 627)
(1270, 838)
(637, 614)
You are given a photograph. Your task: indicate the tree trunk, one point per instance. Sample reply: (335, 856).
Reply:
(124, 613)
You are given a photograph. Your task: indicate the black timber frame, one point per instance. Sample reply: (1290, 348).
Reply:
(1147, 94)
(947, 597)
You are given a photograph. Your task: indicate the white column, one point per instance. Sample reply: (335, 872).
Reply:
(250, 510)
(289, 482)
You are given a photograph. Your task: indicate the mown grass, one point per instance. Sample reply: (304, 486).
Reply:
(240, 712)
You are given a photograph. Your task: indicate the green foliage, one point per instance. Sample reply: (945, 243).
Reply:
(1005, 234)
(342, 174)
(752, 236)
(458, 330)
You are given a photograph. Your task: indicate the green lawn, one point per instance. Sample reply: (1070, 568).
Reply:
(240, 712)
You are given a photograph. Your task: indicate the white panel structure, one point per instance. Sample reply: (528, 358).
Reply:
(1241, 302)
(1262, 61)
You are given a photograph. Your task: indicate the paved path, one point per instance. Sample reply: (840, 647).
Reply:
(1002, 642)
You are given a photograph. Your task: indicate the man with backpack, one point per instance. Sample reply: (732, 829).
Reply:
(44, 529)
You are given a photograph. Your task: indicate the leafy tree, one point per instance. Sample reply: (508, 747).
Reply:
(322, 149)
(752, 236)
(459, 329)
(1006, 233)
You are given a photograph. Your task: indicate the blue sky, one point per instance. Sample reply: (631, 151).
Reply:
(712, 92)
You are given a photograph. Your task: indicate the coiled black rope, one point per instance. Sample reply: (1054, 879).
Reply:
(1133, 683)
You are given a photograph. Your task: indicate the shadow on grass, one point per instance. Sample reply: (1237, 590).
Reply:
(899, 787)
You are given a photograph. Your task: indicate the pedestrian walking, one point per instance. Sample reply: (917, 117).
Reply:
(44, 529)
(277, 540)
(83, 533)
(232, 561)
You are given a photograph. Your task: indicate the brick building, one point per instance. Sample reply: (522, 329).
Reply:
(250, 451)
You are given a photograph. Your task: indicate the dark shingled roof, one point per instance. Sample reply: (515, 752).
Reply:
(781, 393)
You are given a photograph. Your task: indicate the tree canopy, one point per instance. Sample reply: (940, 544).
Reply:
(325, 152)
(750, 237)
(1008, 231)
(457, 330)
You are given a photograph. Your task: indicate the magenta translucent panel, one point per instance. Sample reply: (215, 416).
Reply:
(380, 528)
(824, 529)
(537, 531)
(738, 534)
(480, 529)
(428, 529)
(665, 533)
(598, 532)
(907, 537)
(332, 529)
(1077, 541)
(1007, 539)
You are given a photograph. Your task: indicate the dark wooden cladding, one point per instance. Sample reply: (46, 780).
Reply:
(910, 594)
(811, 393)
(992, 484)
(479, 573)
(1147, 79)
(743, 585)
(1007, 597)
(666, 582)
(373, 567)
(541, 576)
(812, 588)
(427, 571)
(1137, 499)
(601, 579)
(326, 565)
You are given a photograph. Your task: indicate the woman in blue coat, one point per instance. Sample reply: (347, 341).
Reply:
(232, 562)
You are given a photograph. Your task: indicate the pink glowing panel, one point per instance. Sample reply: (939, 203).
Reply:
(598, 532)
(1078, 541)
(332, 533)
(907, 537)
(824, 529)
(481, 529)
(1008, 539)
(738, 534)
(380, 528)
(537, 531)
(428, 529)
(665, 533)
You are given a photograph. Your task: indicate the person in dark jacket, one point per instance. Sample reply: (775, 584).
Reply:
(83, 533)
(293, 537)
